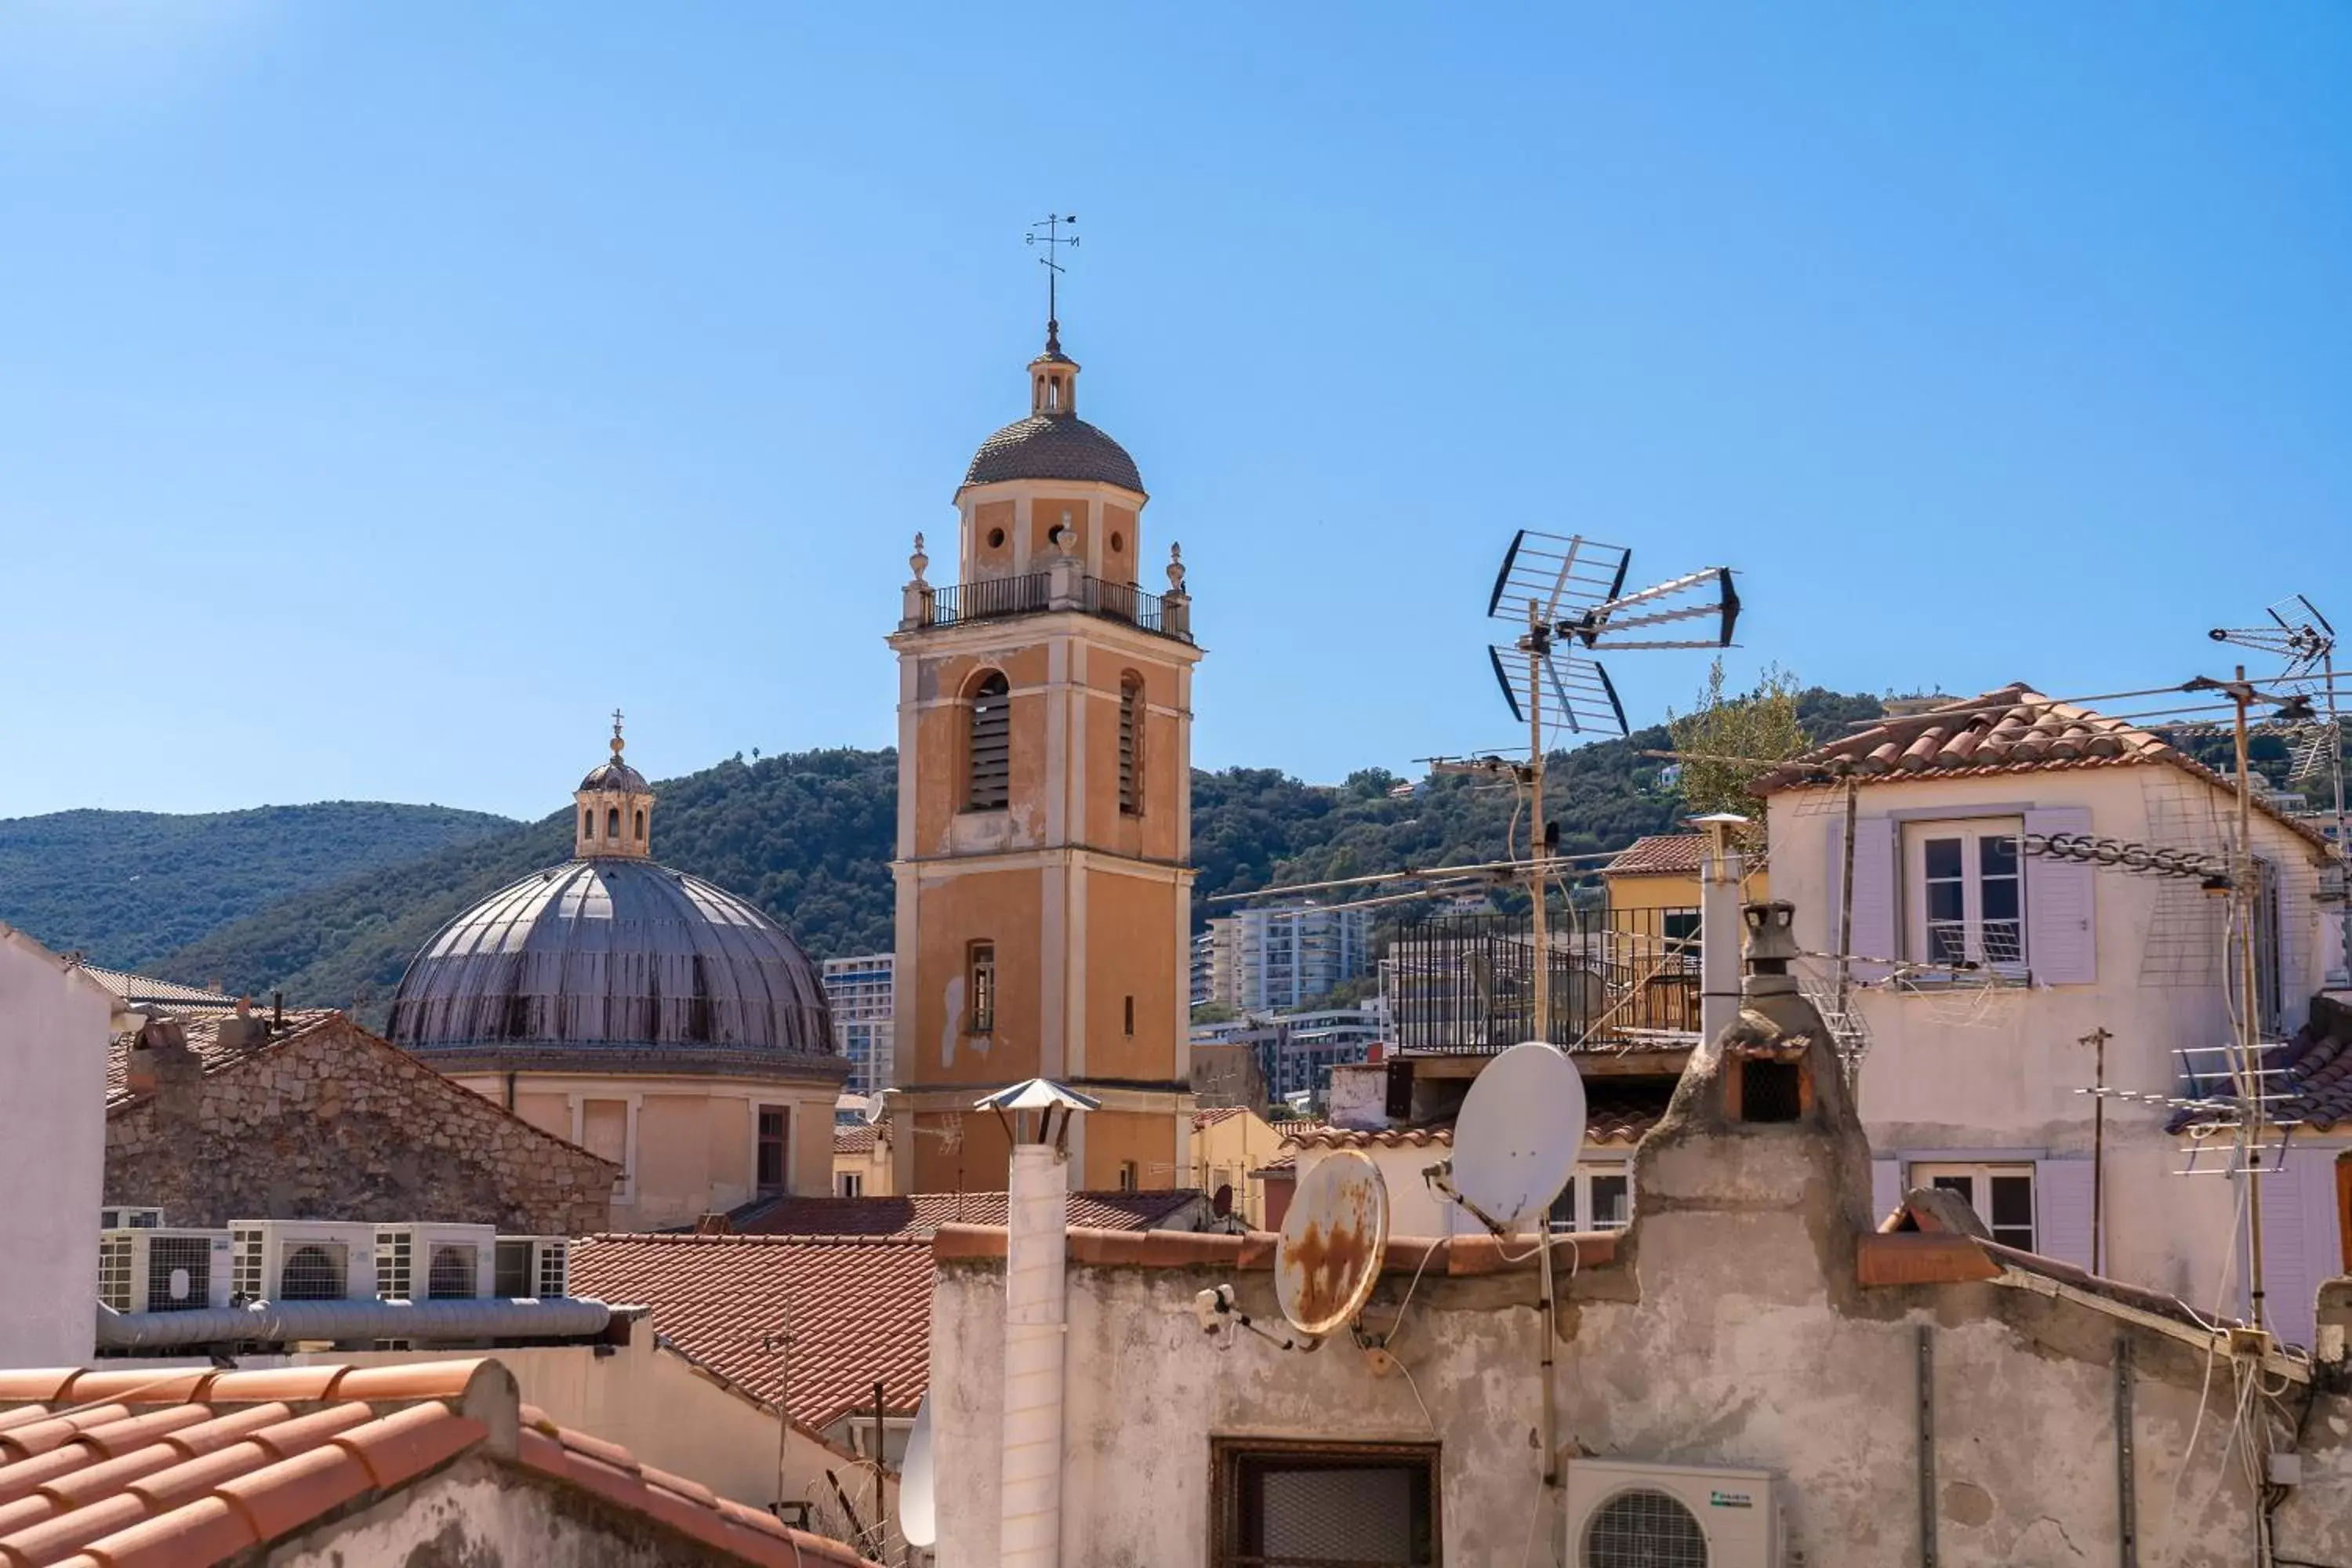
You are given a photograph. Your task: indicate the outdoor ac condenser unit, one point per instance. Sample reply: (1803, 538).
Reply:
(434, 1262)
(129, 1217)
(538, 1266)
(1622, 1515)
(151, 1269)
(303, 1260)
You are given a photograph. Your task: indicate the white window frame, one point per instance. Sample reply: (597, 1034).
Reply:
(1579, 1190)
(1923, 1173)
(1973, 832)
(849, 1183)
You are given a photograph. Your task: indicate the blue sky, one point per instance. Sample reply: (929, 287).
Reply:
(388, 390)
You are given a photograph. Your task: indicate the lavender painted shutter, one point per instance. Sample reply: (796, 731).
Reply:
(2299, 1240)
(2062, 1211)
(1885, 1189)
(2062, 935)
(1874, 925)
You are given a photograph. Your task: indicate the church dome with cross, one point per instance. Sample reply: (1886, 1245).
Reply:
(611, 980)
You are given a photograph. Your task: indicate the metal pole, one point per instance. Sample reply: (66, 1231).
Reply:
(2242, 895)
(1926, 1447)
(2335, 769)
(1551, 1411)
(2097, 1039)
(2127, 1480)
(881, 1455)
(1540, 927)
(1845, 903)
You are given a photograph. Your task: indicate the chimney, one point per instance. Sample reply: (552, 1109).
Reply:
(244, 1031)
(161, 1064)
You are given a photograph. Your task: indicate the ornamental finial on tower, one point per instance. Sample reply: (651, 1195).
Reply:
(617, 741)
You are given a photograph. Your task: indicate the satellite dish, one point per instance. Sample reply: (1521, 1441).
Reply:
(1222, 1204)
(1517, 1138)
(1333, 1239)
(916, 1519)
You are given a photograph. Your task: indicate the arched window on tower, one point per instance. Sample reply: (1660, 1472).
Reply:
(641, 827)
(612, 822)
(989, 776)
(587, 822)
(1131, 744)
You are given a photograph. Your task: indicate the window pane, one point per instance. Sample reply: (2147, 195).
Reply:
(1964, 1185)
(1944, 903)
(1563, 1208)
(2013, 1203)
(1943, 857)
(1611, 1202)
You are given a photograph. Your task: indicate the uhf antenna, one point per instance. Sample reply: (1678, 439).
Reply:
(1048, 231)
(1568, 590)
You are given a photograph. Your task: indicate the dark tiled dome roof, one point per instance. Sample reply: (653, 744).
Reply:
(595, 957)
(1053, 446)
(616, 775)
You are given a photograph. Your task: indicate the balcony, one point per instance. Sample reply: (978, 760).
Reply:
(1464, 984)
(1035, 594)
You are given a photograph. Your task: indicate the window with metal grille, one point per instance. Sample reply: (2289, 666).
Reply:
(1326, 1505)
(1771, 1091)
(114, 1272)
(555, 1270)
(1644, 1528)
(773, 1136)
(179, 1273)
(1130, 746)
(453, 1274)
(990, 781)
(314, 1272)
(982, 985)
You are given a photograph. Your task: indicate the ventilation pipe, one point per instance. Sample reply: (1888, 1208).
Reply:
(1029, 1517)
(278, 1322)
(1720, 873)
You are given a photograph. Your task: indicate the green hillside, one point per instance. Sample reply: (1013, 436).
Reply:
(127, 886)
(807, 838)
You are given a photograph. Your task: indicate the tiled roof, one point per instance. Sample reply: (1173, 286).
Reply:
(1611, 1116)
(1658, 854)
(1299, 1129)
(1286, 1165)
(855, 1140)
(203, 1032)
(2318, 1089)
(1053, 446)
(858, 1310)
(2014, 729)
(160, 1469)
(923, 1213)
(1216, 1115)
(136, 988)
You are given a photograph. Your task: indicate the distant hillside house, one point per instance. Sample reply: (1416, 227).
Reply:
(221, 1116)
(651, 1018)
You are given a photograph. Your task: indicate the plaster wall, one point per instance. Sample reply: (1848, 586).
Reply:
(1115, 1138)
(53, 1041)
(1224, 1152)
(1133, 950)
(1723, 1343)
(2004, 1086)
(1675, 891)
(1003, 906)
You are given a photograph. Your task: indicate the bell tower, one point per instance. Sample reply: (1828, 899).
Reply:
(1044, 813)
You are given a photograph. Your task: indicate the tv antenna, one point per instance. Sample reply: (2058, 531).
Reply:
(1048, 231)
(1569, 592)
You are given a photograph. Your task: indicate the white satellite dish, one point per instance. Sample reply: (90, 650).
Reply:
(1517, 1138)
(918, 1518)
(1334, 1238)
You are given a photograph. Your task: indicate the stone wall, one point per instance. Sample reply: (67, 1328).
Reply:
(331, 1122)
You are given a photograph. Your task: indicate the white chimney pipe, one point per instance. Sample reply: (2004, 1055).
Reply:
(1029, 1525)
(1720, 875)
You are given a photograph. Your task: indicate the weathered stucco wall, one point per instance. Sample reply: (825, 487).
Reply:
(53, 1032)
(333, 1123)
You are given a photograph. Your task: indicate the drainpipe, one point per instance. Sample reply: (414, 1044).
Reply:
(1029, 1516)
(1720, 874)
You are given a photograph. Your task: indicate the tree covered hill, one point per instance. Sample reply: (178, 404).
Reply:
(808, 836)
(127, 886)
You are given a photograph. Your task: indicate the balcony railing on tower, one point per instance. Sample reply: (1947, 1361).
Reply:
(1032, 594)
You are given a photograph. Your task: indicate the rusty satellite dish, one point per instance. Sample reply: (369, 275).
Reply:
(1333, 1240)
(1517, 1138)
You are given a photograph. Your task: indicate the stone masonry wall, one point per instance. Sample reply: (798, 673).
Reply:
(329, 1122)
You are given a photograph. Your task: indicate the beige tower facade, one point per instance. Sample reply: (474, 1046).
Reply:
(1044, 813)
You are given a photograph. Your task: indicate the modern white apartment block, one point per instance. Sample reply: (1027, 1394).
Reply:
(1285, 956)
(859, 990)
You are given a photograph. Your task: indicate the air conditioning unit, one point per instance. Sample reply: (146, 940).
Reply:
(146, 1269)
(303, 1260)
(538, 1266)
(1622, 1515)
(434, 1262)
(130, 1218)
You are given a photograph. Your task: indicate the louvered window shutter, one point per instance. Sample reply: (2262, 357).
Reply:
(1131, 767)
(991, 738)
(2062, 1211)
(2062, 932)
(1876, 928)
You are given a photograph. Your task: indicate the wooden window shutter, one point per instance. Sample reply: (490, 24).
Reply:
(1130, 744)
(991, 775)
(1876, 931)
(2061, 933)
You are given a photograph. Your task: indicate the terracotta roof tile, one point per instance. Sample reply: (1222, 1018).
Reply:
(1611, 1116)
(854, 1140)
(191, 1470)
(1658, 854)
(2014, 729)
(860, 1309)
(1215, 1115)
(922, 1212)
(1299, 1129)
(203, 1031)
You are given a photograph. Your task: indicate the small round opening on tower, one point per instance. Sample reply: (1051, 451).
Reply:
(1117, 542)
(996, 539)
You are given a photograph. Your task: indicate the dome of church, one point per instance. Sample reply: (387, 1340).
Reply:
(605, 956)
(1053, 446)
(616, 775)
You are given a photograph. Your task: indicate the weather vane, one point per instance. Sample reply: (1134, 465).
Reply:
(1048, 231)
